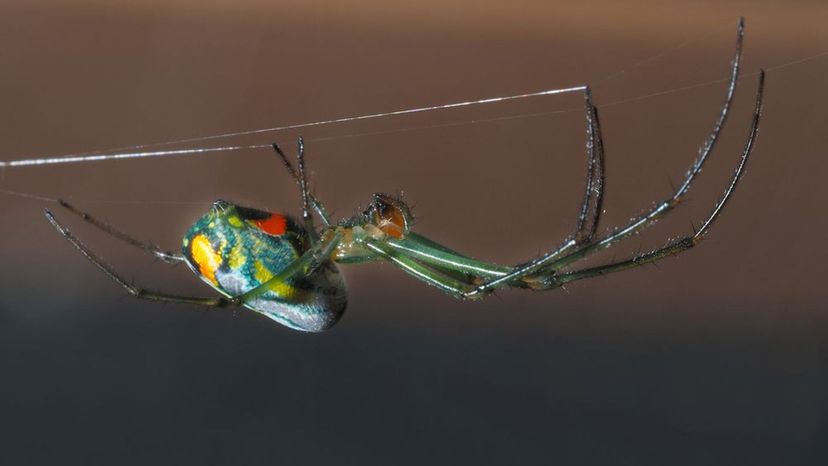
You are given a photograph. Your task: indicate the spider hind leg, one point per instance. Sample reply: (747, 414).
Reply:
(130, 288)
(303, 266)
(166, 256)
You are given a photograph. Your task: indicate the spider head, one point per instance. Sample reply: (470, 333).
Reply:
(390, 214)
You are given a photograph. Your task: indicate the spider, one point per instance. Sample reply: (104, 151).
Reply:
(286, 269)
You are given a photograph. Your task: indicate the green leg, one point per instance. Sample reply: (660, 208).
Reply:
(436, 255)
(588, 218)
(671, 249)
(683, 244)
(664, 207)
(446, 283)
(303, 266)
(552, 262)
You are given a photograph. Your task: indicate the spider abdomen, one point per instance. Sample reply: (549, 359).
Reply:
(235, 250)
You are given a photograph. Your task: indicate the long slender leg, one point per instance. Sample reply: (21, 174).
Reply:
(660, 209)
(590, 214)
(304, 265)
(656, 212)
(687, 242)
(437, 256)
(552, 261)
(166, 256)
(588, 217)
(131, 289)
(303, 187)
(447, 261)
(315, 203)
(457, 288)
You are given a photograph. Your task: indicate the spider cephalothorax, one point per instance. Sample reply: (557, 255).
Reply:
(390, 214)
(286, 270)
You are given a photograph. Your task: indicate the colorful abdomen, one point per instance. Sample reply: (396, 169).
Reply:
(236, 249)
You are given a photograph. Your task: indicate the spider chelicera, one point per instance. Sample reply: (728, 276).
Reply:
(286, 270)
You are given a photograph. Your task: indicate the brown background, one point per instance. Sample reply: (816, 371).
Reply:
(715, 357)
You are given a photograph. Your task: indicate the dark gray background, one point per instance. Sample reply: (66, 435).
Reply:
(716, 357)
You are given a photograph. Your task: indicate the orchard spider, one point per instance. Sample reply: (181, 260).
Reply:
(286, 270)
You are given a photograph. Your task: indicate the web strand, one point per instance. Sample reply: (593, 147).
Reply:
(111, 154)
(127, 155)
(99, 155)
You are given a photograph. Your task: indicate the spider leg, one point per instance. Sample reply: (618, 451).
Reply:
(682, 244)
(439, 267)
(439, 257)
(494, 275)
(660, 209)
(303, 187)
(302, 181)
(309, 261)
(166, 256)
(590, 213)
(131, 289)
(553, 260)
(446, 283)
(315, 203)
(306, 264)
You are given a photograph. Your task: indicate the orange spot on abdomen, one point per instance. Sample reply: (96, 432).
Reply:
(205, 257)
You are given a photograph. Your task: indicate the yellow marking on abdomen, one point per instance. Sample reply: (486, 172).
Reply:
(235, 221)
(237, 257)
(207, 259)
(281, 289)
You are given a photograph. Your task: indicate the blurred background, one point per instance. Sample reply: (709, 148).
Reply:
(714, 357)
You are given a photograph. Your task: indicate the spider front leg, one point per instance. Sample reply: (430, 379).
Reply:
(588, 217)
(662, 208)
(467, 278)
(443, 259)
(682, 244)
(592, 205)
(550, 263)
(304, 265)
(431, 275)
